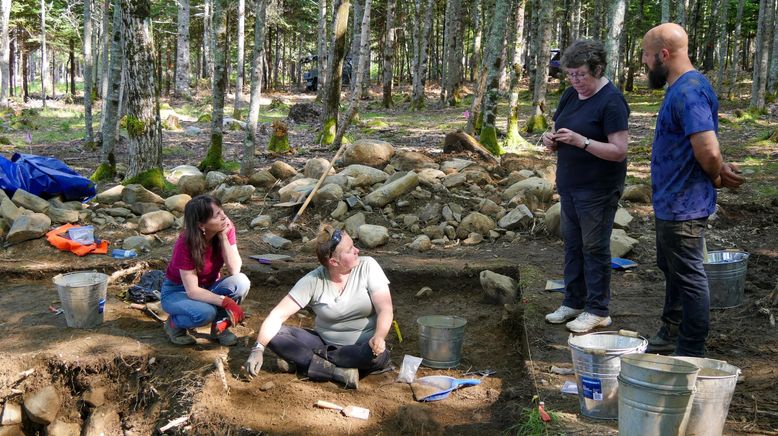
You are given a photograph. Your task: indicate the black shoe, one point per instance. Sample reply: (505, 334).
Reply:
(323, 370)
(664, 341)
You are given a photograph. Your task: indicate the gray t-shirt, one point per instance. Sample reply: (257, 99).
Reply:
(348, 318)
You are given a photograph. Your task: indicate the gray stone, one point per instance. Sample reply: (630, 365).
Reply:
(370, 152)
(340, 210)
(11, 430)
(42, 405)
(621, 244)
(409, 220)
(499, 289)
(353, 223)
(353, 202)
(363, 175)
(475, 222)
(138, 243)
(490, 208)
(388, 193)
(29, 201)
(494, 234)
(143, 208)
(553, 219)
(296, 190)
(639, 193)
(433, 232)
(282, 170)
(276, 241)
(441, 241)
(191, 185)
(234, 194)
(622, 219)
(12, 414)
(28, 227)
(454, 180)
(516, 177)
(262, 221)
(139, 194)
(120, 211)
(548, 173)
(327, 193)
(518, 218)
(455, 165)
(94, 396)
(62, 216)
(3, 195)
(396, 176)
(153, 222)
(535, 186)
(473, 239)
(192, 131)
(263, 179)
(430, 176)
(61, 428)
(10, 210)
(103, 421)
(72, 205)
(177, 202)
(315, 167)
(214, 179)
(174, 175)
(430, 212)
(450, 232)
(406, 160)
(373, 236)
(337, 179)
(5, 226)
(422, 243)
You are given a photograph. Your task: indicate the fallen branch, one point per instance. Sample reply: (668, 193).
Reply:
(219, 363)
(174, 423)
(140, 266)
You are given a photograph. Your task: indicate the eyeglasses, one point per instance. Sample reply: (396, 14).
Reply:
(334, 241)
(576, 76)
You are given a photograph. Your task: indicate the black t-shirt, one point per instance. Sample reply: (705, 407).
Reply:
(599, 115)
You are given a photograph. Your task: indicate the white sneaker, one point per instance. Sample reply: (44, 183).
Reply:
(562, 314)
(587, 321)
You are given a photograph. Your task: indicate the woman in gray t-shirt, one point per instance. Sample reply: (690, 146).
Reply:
(350, 296)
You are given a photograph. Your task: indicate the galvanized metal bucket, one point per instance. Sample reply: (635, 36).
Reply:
(645, 411)
(658, 372)
(83, 297)
(440, 340)
(726, 271)
(715, 385)
(596, 361)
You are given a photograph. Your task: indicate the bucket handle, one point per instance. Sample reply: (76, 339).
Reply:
(628, 333)
(596, 351)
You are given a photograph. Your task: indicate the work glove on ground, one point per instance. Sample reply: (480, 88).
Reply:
(234, 312)
(254, 362)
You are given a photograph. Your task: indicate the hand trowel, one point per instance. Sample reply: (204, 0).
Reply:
(351, 411)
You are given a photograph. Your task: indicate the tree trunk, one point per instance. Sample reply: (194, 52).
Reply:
(88, 68)
(513, 139)
(257, 55)
(25, 72)
(208, 39)
(13, 65)
(615, 27)
(356, 22)
(144, 128)
(736, 49)
(711, 34)
(5, 71)
(772, 74)
(453, 56)
(213, 158)
(475, 60)
(107, 168)
(276, 56)
(44, 66)
(182, 51)
(723, 41)
(488, 136)
(321, 48)
(335, 73)
(239, 67)
(364, 51)
(665, 11)
(538, 122)
(106, 49)
(680, 12)
(759, 83)
(419, 80)
(389, 39)
(72, 63)
(575, 20)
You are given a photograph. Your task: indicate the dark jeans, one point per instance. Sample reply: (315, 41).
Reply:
(679, 254)
(298, 346)
(587, 222)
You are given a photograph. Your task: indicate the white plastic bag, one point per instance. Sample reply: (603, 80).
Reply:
(408, 368)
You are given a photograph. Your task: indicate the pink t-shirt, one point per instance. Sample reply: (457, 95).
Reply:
(182, 260)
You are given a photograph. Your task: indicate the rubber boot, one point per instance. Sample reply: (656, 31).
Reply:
(323, 370)
(665, 339)
(177, 335)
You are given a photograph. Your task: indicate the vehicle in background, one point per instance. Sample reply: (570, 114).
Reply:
(311, 76)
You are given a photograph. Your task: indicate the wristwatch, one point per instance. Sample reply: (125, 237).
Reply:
(586, 144)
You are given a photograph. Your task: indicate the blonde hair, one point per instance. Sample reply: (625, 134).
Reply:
(324, 242)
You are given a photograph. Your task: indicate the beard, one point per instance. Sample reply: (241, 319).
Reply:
(657, 77)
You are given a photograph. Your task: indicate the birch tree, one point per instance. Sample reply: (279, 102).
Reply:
(389, 38)
(106, 49)
(44, 63)
(665, 5)
(488, 136)
(5, 71)
(257, 56)
(475, 60)
(513, 139)
(182, 50)
(107, 168)
(207, 71)
(420, 76)
(453, 59)
(334, 72)
(736, 49)
(144, 128)
(680, 12)
(213, 158)
(537, 122)
(759, 83)
(88, 70)
(241, 50)
(615, 27)
(321, 48)
(772, 74)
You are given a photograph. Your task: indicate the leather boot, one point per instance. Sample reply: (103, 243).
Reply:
(321, 369)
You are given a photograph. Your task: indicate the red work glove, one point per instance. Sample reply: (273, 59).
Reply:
(234, 312)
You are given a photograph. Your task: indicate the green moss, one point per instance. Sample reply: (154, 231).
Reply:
(278, 144)
(135, 127)
(204, 118)
(150, 179)
(479, 122)
(123, 122)
(488, 138)
(514, 142)
(327, 134)
(103, 172)
(4, 140)
(213, 159)
(537, 124)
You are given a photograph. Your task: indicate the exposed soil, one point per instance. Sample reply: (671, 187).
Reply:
(151, 382)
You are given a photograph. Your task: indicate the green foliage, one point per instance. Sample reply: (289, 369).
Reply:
(231, 166)
(537, 124)
(150, 179)
(103, 172)
(204, 118)
(531, 424)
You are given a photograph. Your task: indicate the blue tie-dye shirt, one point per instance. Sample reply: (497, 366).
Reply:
(681, 189)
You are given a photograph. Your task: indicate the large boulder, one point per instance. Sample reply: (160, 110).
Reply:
(392, 191)
(430, 176)
(27, 227)
(42, 405)
(622, 219)
(276, 241)
(296, 190)
(214, 179)
(62, 216)
(421, 244)
(153, 222)
(137, 193)
(373, 236)
(640, 193)
(353, 223)
(370, 152)
(138, 243)
(363, 175)
(177, 202)
(282, 170)
(455, 165)
(191, 185)
(327, 193)
(174, 175)
(475, 222)
(234, 194)
(499, 289)
(262, 179)
(621, 244)
(29, 201)
(553, 219)
(315, 167)
(62, 428)
(539, 188)
(518, 218)
(10, 211)
(407, 160)
(102, 421)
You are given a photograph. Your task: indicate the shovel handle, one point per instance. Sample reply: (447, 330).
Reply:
(327, 405)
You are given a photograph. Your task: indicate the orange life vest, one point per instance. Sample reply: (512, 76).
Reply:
(56, 239)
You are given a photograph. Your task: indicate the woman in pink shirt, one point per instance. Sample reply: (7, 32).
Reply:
(194, 293)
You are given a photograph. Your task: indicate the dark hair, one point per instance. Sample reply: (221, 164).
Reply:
(589, 52)
(198, 211)
(326, 243)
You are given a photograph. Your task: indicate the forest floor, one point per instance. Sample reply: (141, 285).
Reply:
(150, 382)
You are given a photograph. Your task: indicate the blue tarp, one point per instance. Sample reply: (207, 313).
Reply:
(45, 177)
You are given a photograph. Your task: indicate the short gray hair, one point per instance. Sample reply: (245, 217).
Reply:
(589, 52)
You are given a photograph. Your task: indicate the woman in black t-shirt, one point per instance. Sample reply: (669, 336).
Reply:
(590, 138)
